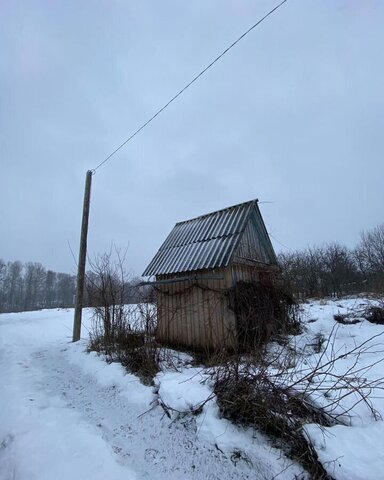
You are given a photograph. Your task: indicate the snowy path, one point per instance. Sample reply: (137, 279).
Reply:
(64, 414)
(139, 442)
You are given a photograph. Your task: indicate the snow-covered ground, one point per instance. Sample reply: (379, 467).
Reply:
(354, 451)
(67, 414)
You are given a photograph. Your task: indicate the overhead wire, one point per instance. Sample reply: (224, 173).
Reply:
(188, 85)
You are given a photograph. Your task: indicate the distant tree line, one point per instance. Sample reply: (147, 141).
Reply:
(335, 270)
(30, 286)
(328, 270)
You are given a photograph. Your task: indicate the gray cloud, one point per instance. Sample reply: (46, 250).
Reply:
(293, 115)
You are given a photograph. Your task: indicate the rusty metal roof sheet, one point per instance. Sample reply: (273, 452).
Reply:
(204, 242)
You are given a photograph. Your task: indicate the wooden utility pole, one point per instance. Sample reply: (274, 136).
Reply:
(82, 259)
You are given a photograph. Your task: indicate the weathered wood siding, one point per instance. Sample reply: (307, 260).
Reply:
(241, 272)
(195, 312)
(255, 246)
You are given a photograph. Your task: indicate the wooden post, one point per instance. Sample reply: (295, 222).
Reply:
(82, 259)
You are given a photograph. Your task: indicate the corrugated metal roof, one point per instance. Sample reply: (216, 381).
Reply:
(203, 242)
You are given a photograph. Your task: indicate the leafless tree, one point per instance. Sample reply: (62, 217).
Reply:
(29, 287)
(34, 281)
(106, 293)
(123, 332)
(370, 256)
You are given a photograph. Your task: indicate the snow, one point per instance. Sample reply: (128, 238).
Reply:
(40, 437)
(110, 375)
(188, 390)
(184, 390)
(353, 451)
(66, 413)
(350, 453)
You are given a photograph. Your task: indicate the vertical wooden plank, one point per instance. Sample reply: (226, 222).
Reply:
(198, 334)
(203, 314)
(217, 327)
(209, 317)
(171, 315)
(193, 320)
(184, 316)
(161, 313)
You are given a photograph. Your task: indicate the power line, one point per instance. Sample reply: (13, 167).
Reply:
(188, 85)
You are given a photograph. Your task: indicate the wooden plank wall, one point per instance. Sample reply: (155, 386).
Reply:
(195, 313)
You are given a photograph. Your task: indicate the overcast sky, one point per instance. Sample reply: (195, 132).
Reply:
(293, 115)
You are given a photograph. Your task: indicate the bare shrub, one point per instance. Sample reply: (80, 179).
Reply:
(279, 397)
(262, 311)
(375, 314)
(144, 360)
(123, 333)
(318, 343)
(147, 313)
(273, 408)
(345, 319)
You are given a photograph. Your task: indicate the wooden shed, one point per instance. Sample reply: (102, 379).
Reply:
(195, 269)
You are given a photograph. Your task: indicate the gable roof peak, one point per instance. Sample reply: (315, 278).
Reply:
(222, 210)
